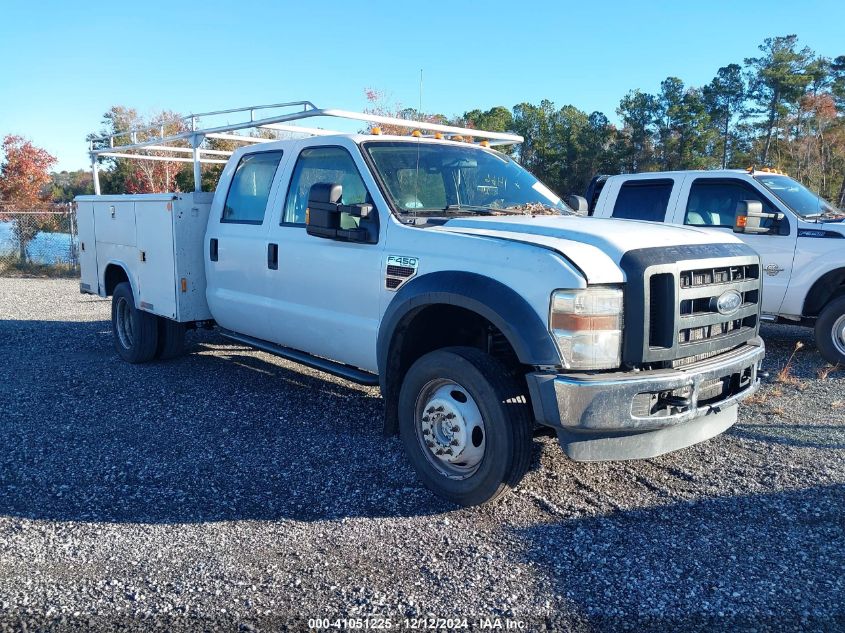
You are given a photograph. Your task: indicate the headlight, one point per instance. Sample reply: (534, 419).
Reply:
(587, 326)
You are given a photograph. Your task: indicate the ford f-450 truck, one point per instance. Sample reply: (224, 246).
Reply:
(440, 270)
(800, 237)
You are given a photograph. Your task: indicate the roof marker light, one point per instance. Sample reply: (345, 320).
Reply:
(375, 131)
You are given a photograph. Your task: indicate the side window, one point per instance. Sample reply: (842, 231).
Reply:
(323, 164)
(246, 200)
(713, 202)
(643, 200)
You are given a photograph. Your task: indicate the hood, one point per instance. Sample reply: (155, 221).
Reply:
(592, 244)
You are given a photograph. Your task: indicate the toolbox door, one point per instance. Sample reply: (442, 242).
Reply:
(156, 264)
(87, 248)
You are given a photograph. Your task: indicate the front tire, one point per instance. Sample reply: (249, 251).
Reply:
(465, 425)
(830, 332)
(135, 331)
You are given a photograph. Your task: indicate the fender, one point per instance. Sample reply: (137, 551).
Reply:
(823, 289)
(527, 333)
(119, 264)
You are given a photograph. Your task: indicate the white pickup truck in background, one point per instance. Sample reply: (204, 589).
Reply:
(440, 270)
(799, 236)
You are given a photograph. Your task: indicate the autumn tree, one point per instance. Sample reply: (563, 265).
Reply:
(24, 175)
(123, 175)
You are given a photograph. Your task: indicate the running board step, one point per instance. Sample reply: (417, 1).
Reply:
(330, 367)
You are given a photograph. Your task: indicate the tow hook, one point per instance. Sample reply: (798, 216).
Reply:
(668, 399)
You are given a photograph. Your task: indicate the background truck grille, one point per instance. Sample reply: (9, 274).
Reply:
(683, 322)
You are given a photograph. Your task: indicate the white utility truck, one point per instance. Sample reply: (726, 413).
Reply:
(440, 270)
(799, 236)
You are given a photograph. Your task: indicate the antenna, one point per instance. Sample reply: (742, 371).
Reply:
(417, 172)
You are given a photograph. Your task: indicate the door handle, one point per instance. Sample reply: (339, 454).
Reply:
(212, 249)
(273, 256)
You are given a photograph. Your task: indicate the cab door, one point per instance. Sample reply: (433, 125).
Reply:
(326, 292)
(711, 203)
(236, 246)
(649, 198)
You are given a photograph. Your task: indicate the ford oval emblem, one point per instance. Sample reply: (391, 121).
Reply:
(728, 302)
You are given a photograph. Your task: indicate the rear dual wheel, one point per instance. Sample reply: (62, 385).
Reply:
(139, 336)
(465, 425)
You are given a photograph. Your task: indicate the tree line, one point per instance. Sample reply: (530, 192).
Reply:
(784, 108)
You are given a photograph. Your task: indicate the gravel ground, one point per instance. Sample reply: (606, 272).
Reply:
(232, 490)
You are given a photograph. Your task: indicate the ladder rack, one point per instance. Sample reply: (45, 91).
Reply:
(137, 142)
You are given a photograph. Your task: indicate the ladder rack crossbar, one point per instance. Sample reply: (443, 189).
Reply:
(196, 134)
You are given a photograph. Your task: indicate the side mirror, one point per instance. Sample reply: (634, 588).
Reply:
(323, 217)
(578, 203)
(750, 218)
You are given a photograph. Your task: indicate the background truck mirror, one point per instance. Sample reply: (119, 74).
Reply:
(750, 218)
(577, 203)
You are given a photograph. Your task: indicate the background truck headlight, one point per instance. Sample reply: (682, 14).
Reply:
(587, 326)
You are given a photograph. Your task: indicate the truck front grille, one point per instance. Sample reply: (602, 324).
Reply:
(699, 318)
(683, 322)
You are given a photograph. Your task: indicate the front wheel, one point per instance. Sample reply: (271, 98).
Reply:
(135, 331)
(465, 425)
(830, 332)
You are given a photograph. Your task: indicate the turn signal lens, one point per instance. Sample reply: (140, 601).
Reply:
(587, 327)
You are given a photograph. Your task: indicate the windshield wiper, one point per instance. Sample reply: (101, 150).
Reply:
(470, 208)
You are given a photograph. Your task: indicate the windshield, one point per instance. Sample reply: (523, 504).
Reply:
(796, 196)
(443, 179)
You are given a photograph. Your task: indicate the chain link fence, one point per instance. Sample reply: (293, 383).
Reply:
(43, 241)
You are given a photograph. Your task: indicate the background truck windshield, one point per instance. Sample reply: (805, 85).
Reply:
(428, 177)
(796, 196)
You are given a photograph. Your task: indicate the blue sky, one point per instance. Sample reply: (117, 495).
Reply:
(65, 63)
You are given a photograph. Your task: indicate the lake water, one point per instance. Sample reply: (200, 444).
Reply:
(45, 248)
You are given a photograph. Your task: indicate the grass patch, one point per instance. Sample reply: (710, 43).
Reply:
(785, 374)
(34, 270)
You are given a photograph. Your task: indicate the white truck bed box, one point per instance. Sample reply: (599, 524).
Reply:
(157, 239)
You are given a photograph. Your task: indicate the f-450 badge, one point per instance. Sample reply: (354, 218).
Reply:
(400, 268)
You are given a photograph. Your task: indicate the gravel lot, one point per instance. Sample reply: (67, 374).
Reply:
(232, 490)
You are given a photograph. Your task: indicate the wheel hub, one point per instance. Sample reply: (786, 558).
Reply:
(450, 429)
(839, 333)
(124, 323)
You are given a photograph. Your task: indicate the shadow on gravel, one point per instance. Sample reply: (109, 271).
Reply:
(217, 435)
(704, 564)
(821, 436)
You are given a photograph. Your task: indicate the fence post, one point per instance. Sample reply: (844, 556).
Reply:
(73, 241)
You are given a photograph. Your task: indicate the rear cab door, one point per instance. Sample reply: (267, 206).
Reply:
(710, 201)
(646, 197)
(649, 198)
(238, 284)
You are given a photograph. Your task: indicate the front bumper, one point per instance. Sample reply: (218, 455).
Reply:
(636, 415)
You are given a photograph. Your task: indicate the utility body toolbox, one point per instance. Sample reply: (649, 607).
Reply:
(157, 240)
